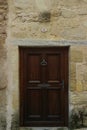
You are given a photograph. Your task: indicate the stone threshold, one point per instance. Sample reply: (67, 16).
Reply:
(44, 128)
(81, 129)
(38, 42)
(49, 128)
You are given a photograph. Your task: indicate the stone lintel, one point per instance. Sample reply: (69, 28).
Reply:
(36, 42)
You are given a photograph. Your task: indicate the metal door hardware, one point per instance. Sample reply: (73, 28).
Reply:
(43, 62)
(44, 85)
(62, 84)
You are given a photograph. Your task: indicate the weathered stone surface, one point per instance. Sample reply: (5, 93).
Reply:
(79, 86)
(65, 14)
(73, 70)
(78, 98)
(3, 75)
(76, 56)
(2, 122)
(81, 129)
(3, 64)
(44, 128)
(3, 18)
(85, 54)
(72, 85)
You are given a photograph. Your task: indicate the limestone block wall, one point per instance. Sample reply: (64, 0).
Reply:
(78, 84)
(51, 20)
(3, 63)
(46, 19)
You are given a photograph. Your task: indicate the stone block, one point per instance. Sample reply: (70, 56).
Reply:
(81, 72)
(85, 76)
(76, 56)
(70, 33)
(85, 54)
(78, 98)
(67, 13)
(79, 86)
(72, 85)
(55, 12)
(27, 17)
(70, 3)
(68, 22)
(73, 71)
(44, 128)
(85, 85)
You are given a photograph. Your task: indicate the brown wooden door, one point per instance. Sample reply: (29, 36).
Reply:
(44, 86)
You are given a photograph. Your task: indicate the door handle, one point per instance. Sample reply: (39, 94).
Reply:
(62, 84)
(44, 85)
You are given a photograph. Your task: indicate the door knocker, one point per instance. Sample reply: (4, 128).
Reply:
(43, 62)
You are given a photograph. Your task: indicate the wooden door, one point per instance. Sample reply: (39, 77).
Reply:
(44, 86)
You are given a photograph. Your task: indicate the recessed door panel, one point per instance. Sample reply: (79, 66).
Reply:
(34, 104)
(54, 103)
(33, 67)
(53, 67)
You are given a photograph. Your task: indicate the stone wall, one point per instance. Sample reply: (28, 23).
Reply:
(46, 19)
(50, 20)
(78, 85)
(3, 64)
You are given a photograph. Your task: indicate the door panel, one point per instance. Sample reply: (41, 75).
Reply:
(34, 104)
(53, 67)
(44, 86)
(33, 67)
(54, 103)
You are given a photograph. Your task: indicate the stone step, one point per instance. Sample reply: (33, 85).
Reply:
(49, 128)
(81, 129)
(45, 128)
